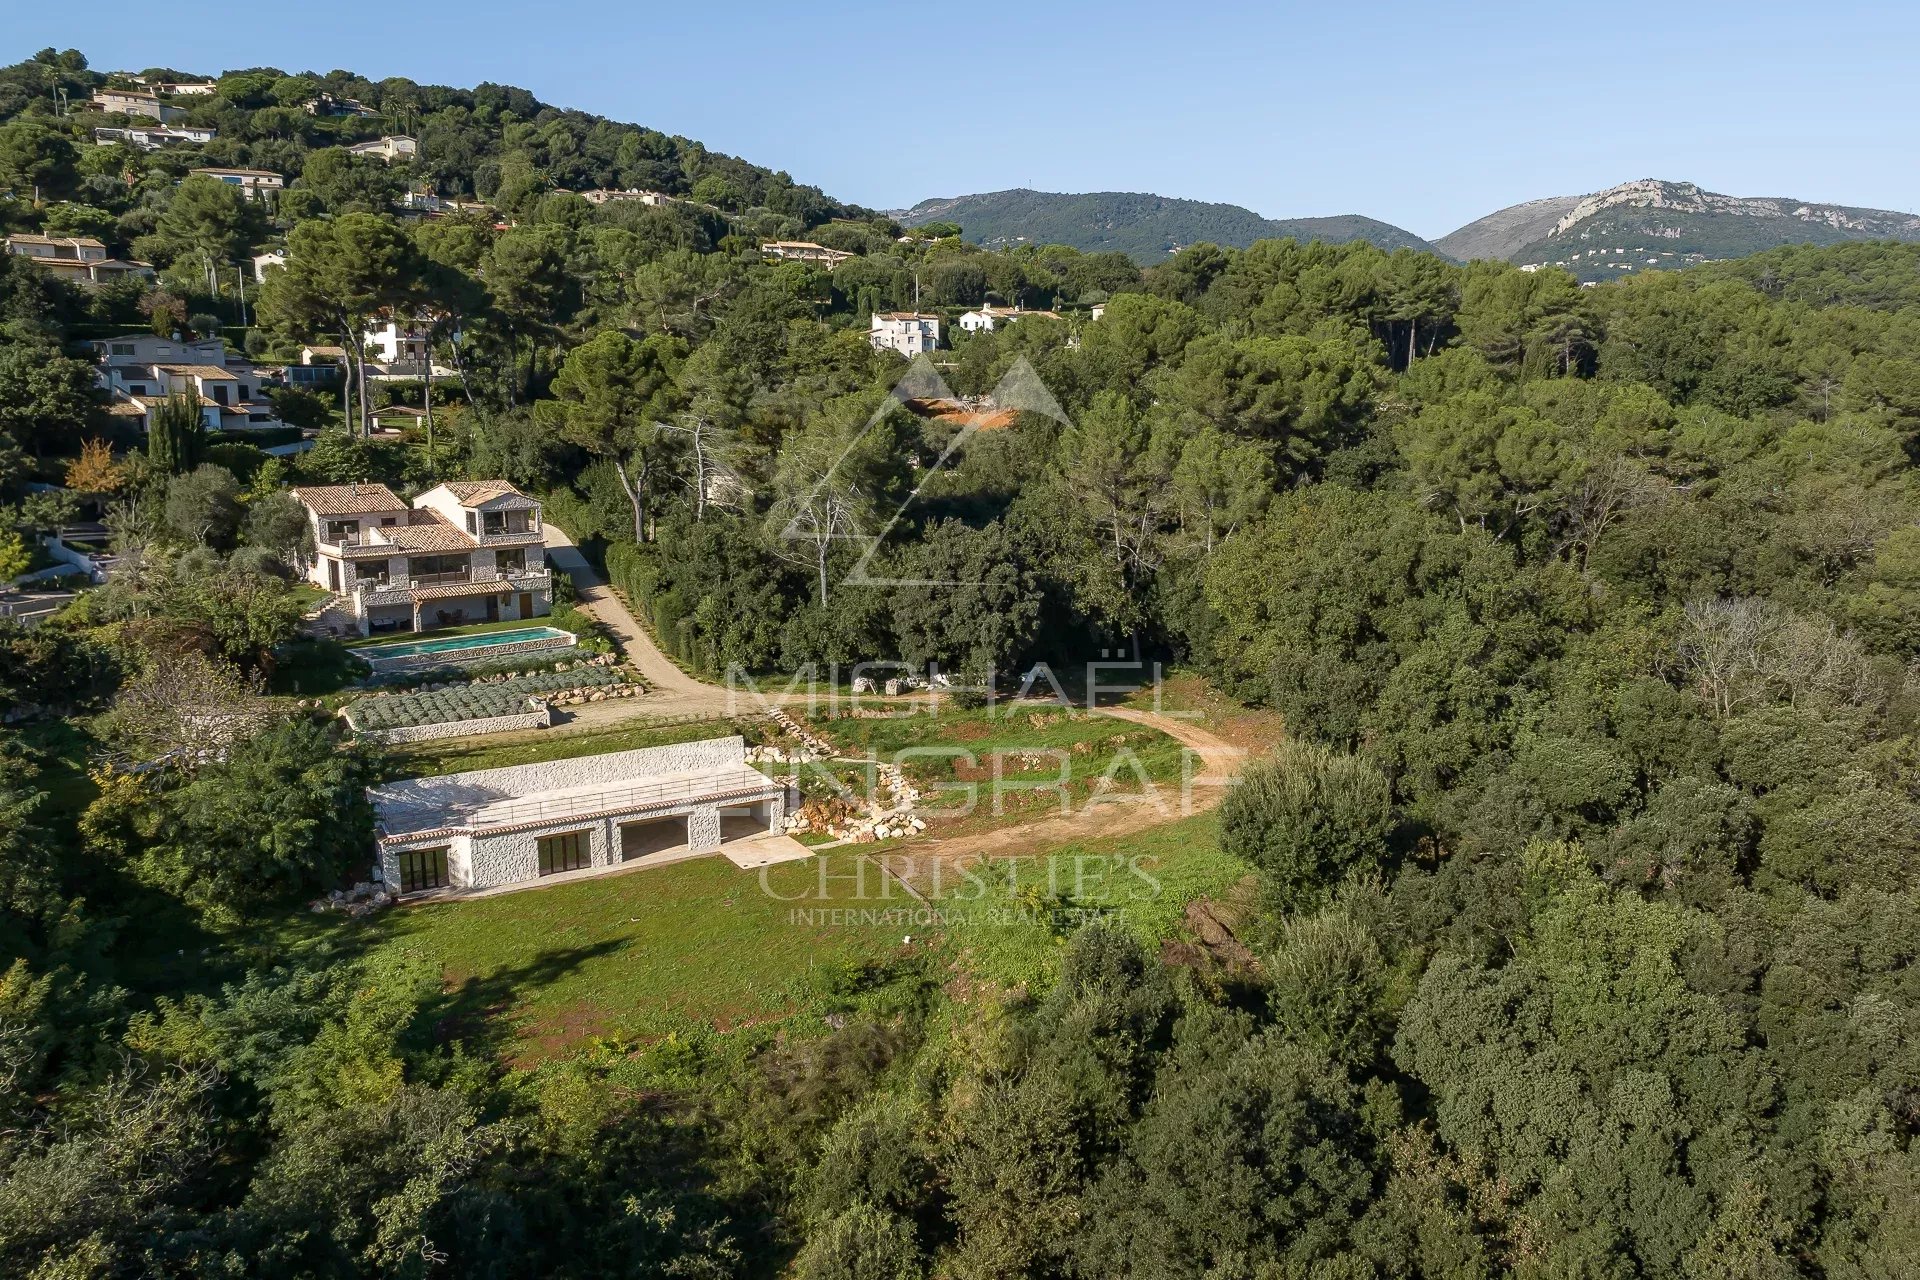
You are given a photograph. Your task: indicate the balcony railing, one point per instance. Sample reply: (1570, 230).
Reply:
(529, 579)
(488, 537)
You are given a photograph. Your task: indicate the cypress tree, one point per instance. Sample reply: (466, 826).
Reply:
(177, 437)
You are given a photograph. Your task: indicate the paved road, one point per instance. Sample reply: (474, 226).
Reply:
(675, 692)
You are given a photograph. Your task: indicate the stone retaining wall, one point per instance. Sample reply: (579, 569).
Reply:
(539, 718)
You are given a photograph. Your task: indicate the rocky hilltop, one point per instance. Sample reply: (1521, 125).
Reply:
(1652, 223)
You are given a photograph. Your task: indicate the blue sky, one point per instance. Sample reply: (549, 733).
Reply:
(1424, 115)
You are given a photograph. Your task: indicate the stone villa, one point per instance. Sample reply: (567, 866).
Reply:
(524, 823)
(466, 551)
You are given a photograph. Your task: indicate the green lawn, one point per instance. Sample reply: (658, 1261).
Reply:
(701, 951)
(686, 950)
(1012, 932)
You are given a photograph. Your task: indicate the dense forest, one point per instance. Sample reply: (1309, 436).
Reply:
(1586, 919)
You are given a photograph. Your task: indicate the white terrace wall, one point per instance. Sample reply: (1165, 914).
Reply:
(482, 786)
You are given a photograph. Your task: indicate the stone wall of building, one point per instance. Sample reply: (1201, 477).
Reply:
(703, 829)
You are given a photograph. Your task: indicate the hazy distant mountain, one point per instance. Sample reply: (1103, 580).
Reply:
(1146, 227)
(1650, 224)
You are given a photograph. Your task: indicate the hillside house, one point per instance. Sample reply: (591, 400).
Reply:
(400, 340)
(326, 104)
(911, 333)
(154, 137)
(987, 318)
(563, 819)
(466, 551)
(254, 184)
(391, 147)
(136, 102)
(129, 349)
(321, 368)
(81, 259)
(140, 370)
(803, 251)
(630, 196)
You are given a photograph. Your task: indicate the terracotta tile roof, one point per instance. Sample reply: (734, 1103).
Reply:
(428, 535)
(469, 492)
(349, 499)
(446, 590)
(83, 242)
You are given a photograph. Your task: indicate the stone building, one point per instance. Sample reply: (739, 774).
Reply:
(525, 823)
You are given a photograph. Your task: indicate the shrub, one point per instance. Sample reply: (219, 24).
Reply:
(1305, 817)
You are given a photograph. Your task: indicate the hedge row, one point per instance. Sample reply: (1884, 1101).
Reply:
(631, 569)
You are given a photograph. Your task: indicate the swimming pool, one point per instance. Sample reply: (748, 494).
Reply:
(465, 646)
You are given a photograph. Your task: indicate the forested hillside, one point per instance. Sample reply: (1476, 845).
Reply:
(1581, 917)
(1144, 227)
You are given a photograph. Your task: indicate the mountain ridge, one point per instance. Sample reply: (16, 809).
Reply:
(1654, 222)
(1145, 226)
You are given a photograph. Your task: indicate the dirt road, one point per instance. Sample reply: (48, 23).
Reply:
(675, 693)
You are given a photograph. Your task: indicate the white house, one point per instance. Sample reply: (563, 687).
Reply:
(467, 551)
(911, 333)
(271, 258)
(393, 146)
(562, 819)
(255, 184)
(81, 259)
(986, 318)
(400, 340)
(136, 102)
(140, 370)
(154, 137)
(146, 348)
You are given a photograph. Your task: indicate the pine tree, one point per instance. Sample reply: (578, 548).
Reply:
(177, 436)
